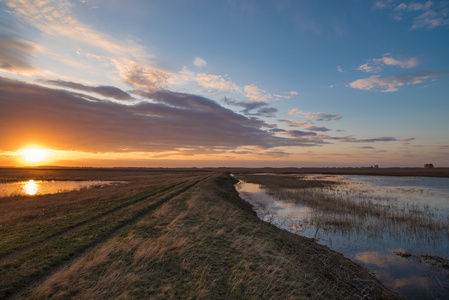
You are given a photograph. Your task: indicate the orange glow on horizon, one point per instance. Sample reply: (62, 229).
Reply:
(34, 155)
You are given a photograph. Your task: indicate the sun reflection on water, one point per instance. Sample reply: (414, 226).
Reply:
(42, 187)
(31, 188)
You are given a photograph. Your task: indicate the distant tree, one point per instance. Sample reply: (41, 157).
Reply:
(428, 166)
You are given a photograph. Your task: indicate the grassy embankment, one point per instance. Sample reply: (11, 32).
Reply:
(163, 235)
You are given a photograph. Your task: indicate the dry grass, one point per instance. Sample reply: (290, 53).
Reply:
(39, 233)
(207, 244)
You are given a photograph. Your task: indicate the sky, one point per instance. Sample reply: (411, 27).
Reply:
(226, 83)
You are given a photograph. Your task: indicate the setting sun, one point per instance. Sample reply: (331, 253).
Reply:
(34, 155)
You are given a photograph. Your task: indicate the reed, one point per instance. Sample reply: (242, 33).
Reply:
(354, 210)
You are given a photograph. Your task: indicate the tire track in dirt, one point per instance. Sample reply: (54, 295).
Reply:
(82, 225)
(28, 282)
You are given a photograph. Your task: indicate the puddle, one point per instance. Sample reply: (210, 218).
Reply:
(410, 257)
(38, 187)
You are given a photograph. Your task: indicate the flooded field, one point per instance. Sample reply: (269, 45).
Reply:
(41, 187)
(397, 227)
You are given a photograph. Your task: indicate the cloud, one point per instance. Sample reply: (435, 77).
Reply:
(379, 4)
(107, 91)
(317, 128)
(431, 19)
(323, 117)
(216, 82)
(295, 111)
(167, 122)
(266, 112)
(405, 63)
(306, 125)
(262, 109)
(414, 6)
(15, 55)
(252, 92)
(375, 65)
(369, 68)
(199, 62)
(407, 141)
(55, 19)
(255, 94)
(317, 116)
(276, 153)
(351, 139)
(428, 14)
(291, 94)
(392, 83)
(141, 76)
(340, 69)
(366, 147)
(298, 133)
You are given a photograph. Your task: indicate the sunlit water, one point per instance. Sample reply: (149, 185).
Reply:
(413, 264)
(38, 187)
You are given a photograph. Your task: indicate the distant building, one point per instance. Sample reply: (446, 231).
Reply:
(428, 166)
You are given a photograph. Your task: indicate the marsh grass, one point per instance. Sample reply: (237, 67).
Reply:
(336, 209)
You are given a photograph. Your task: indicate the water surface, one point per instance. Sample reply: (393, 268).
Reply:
(39, 187)
(412, 261)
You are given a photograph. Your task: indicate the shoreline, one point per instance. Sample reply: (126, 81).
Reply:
(335, 265)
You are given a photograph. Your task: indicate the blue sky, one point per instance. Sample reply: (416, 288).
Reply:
(225, 83)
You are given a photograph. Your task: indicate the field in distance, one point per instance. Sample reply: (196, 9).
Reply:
(160, 233)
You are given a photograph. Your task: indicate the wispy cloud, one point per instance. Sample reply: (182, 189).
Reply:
(142, 76)
(261, 108)
(308, 125)
(407, 141)
(350, 139)
(255, 94)
(15, 55)
(55, 19)
(298, 133)
(216, 82)
(317, 116)
(431, 19)
(130, 60)
(423, 14)
(393, 83)
(199, 62)
(375, 65)
(107, 91)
